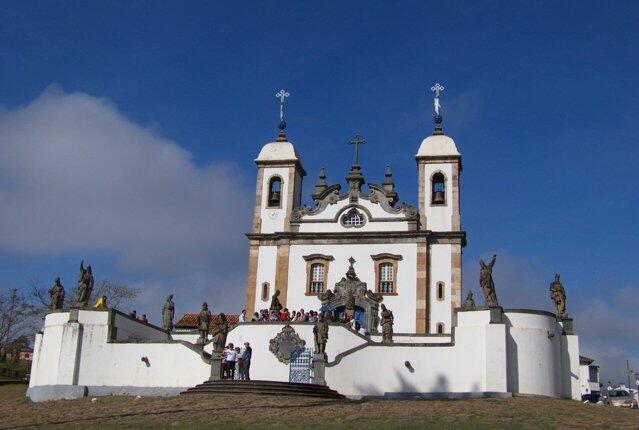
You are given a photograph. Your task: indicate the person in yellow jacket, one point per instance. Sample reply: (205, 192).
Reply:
(101, 303)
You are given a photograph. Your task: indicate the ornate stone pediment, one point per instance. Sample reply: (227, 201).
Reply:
(383, 196)
(350, 292)
(285, 344)
(387, 201)
(329, 196)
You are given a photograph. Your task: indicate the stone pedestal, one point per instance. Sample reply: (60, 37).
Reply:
(566, 324)
(216, 364)
(74, 313)
(319, 372)
(496, 314)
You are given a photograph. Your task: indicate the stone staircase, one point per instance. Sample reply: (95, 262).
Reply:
(225, 387)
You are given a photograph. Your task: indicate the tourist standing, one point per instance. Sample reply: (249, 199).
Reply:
(246, 362)
(238, 362)
(242, 317)
(231, 358)
(223, 363)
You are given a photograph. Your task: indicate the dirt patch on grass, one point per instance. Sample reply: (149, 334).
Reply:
(248, 411)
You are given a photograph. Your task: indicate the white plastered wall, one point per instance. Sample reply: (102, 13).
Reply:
(584, 378)
(403, 304)
(273, 218)
(110, 368)
(534, 365)
(46, 350)
(438, 217)
(266, 267)
(517, 356)
(440, 271)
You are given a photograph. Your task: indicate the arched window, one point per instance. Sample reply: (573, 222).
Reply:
(317, 278)
(353, 218)
(440, 328)
(441, 290)
(386, 278)
(438, 194)
(265, 291)
(274, 192)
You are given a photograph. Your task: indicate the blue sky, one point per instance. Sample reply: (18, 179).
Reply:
(541, 98)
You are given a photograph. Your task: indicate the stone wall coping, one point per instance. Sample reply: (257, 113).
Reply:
(510, 311)
(530, 311)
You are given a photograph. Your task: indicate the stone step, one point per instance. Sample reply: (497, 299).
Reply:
(254, 382)
(224, 387)
(264, 389)
(265, 385)
(287, 385)
(263, 392)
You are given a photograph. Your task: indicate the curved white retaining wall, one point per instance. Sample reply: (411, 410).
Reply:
(527, 353)
(534, 355)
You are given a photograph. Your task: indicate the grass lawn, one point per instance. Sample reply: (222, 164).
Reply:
(292, 413)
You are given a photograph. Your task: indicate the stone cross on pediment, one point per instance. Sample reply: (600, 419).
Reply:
(357, 141)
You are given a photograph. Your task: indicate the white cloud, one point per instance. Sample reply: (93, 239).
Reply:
(76, 176)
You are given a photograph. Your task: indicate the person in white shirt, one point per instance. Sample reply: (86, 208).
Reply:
(242, 317)
(231, 358)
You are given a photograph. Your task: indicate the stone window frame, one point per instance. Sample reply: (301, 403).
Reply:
(311, 260)
(440, 328)
(386, 258)
(440, 286)
(266, 287)
(348, 213)
(268, 191)
(432, 193)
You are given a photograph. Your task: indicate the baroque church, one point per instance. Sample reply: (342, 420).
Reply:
(354, 252)
(408, 257)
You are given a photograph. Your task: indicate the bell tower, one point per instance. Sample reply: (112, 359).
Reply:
(439, 167)
(279, 182)
(278, 191)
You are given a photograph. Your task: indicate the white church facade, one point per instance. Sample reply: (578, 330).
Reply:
(408, 256)
(354, 250)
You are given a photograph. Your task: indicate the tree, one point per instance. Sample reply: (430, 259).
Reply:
(16, 317)
(117, 294)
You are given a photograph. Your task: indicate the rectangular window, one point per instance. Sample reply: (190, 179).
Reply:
(317, 278)
(386, 278)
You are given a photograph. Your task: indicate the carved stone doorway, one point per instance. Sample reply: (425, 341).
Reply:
(351, 296)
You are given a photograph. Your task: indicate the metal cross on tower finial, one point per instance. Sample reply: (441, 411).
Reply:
(437, 88)
(282, 94)
(357, 140)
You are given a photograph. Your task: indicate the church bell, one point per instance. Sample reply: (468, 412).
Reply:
(438, 198)
(274, 198)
